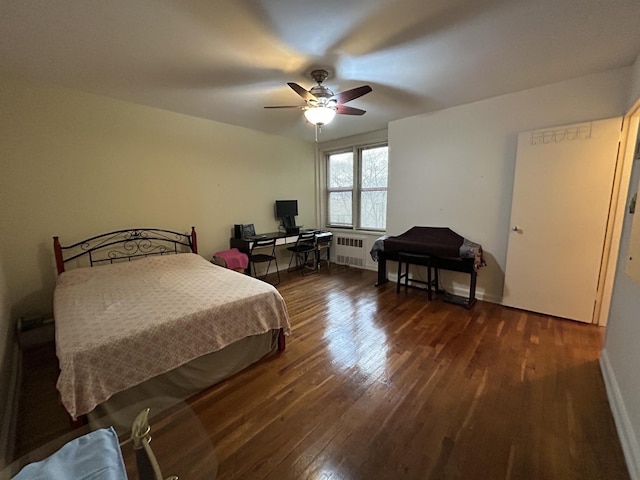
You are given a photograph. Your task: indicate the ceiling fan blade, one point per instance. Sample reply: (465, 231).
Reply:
(345, 110)
(302, 92)
(352, 94)
(287, 106)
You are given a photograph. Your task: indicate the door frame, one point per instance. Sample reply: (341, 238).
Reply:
(611, 250)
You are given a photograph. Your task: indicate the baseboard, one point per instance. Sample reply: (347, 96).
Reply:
(459, 291)
(627, 436)
(480, 295)
(10, 417)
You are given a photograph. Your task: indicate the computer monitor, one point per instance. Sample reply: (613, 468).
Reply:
(287, 210)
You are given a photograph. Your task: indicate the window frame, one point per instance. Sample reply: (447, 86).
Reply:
(357, 189)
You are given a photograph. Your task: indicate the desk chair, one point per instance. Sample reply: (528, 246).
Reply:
(408, 259)
(304, 252)
(267, 254)
(323, 243)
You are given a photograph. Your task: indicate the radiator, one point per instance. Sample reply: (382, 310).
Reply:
(350, 250)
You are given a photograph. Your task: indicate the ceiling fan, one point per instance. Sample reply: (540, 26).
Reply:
(322, 104)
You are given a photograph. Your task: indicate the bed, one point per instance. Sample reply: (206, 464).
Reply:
(147, 323)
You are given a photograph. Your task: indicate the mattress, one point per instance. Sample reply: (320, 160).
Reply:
(175, 387)
(120, 325)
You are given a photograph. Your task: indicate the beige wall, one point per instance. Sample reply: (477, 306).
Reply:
(7, 370)
(455, 167)
(75, 164)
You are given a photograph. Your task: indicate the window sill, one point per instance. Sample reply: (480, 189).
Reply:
(354, 231)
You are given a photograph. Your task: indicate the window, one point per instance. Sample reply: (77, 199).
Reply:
(357, 187)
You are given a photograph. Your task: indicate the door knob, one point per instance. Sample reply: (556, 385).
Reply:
(515, 229)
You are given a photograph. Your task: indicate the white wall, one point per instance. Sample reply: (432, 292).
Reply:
(454, 168)
(634, 90)
(621, 355)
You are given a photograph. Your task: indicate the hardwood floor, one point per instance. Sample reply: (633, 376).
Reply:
(379, 385)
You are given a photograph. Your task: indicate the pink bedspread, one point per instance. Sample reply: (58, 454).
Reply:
(119, 325)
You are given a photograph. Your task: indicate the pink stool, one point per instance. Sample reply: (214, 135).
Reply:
(232, 259)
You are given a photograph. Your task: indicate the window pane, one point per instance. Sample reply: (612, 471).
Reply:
(375, 166)
(340, 170)
(340, 208)
(373, 209)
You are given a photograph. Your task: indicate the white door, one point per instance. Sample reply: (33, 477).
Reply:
(561, 196)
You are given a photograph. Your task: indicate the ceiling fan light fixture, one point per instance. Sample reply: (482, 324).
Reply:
(321, 104)
(320, 115)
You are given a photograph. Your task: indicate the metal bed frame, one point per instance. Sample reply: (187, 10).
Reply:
(125, 245)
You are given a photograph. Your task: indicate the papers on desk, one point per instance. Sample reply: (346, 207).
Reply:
(94, 456)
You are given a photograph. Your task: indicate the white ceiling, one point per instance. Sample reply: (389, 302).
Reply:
(226, 59)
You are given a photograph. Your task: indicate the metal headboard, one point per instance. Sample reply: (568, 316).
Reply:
(122, 245)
